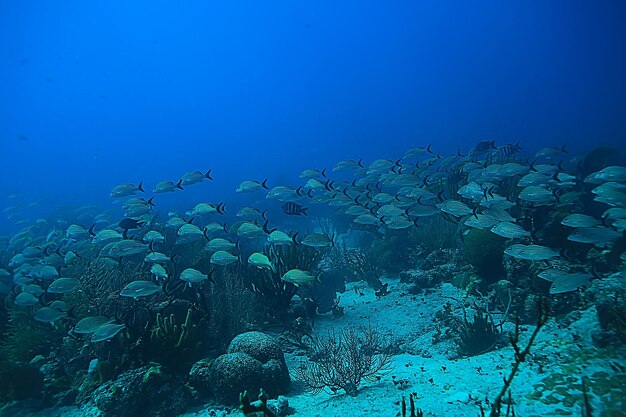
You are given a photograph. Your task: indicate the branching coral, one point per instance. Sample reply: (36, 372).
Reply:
(268, 285)
(341, 360)
(484, 251)
(435, 233)
(253, 407)
(175, 345)
(101, 281)
(413, 412)
(335, 258)
(363, 265)
(231, 307)
(25, 338)
(478, 336)
(520, 357)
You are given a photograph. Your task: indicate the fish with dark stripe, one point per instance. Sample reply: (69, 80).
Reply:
(294, 209)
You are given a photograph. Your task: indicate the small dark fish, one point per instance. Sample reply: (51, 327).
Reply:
(23, 138)
(49, 79)
(129, 223)
(509, 149)
(294, 209)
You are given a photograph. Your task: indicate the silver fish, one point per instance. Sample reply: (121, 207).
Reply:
(223, 258)
(106, 332)
(531, 252)
(63, 286)
(138, 289)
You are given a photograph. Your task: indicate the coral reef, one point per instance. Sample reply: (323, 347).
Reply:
(259, 406)
(435, 233)
(233, 372)
(340, 361)
(441, 265)
(175, 345)
(365, 265)
(478, 336)
(609, 297)
(441, 252)
(484, 251)
(253, 361)
(273, 293)
(18, 382)
(143, 391)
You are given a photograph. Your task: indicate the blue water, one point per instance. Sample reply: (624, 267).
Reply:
(115, 92)
(94, 94)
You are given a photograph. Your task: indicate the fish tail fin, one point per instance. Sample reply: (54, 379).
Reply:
(429, 148)
(324, 173)
(605, 222)
(91, 232)
(264, 183)
(360, 163)
(140, 187)
(208, 176)
(72, 313)
(304, 210)
(149, 201)
(178, 184)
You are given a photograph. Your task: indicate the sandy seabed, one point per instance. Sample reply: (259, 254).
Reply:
(444, 384)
